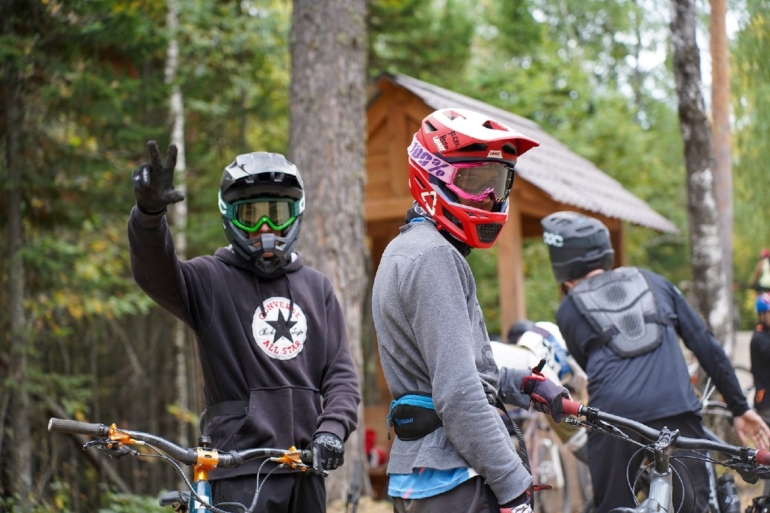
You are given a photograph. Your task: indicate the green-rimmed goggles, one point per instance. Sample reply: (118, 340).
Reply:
(251, 214)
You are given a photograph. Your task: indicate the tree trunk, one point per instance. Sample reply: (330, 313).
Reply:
(179, 215)
(723, 172)
(327, 143)
(21, 449)
(711, 299)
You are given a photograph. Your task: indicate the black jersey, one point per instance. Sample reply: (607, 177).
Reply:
(656, 384)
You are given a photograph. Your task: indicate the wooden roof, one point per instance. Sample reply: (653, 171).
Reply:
(564, 176)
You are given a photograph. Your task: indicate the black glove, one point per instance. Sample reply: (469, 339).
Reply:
(328, 451)
(154, 182)
(546, 395)
(520, 504)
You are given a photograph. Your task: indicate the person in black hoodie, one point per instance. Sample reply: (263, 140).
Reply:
(271, 335)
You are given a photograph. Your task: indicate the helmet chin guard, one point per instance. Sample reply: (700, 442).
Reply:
(253, 250)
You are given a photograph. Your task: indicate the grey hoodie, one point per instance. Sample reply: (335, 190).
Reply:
(433, 340)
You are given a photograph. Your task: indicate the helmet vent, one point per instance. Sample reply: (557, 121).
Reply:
(474, 147)
(510, 149)
(429, 127)
(488, 232)
(494, 125)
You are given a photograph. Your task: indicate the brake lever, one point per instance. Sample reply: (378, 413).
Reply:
(749, 472)
(114, 450)
(597, 425)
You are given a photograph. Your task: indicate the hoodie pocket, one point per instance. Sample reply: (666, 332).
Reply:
(279, 418)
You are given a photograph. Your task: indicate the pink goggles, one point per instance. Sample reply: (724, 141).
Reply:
(473, 181)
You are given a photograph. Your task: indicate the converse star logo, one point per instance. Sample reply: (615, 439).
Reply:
(280, 334)
(282, 327)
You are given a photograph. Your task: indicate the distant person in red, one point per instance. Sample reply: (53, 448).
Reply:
(760, 278)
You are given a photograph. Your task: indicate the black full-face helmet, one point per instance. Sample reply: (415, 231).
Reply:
(256, 189)
(577, 245)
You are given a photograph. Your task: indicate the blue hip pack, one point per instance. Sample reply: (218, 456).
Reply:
(412, 417)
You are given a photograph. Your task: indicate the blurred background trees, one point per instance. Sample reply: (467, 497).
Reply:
(83, 89)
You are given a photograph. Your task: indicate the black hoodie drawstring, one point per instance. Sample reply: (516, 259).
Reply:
(259, 297)
(291, 298)
(262, 301)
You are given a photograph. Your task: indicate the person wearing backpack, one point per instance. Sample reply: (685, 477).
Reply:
(623, 327)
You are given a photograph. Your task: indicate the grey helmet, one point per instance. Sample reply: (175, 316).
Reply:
(577, 245)
(272, 183)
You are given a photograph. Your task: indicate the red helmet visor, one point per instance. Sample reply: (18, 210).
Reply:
(469, 180)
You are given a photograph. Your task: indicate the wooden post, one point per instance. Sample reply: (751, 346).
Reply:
(510, 270)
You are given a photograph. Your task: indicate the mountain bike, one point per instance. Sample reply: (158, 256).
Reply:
(718, 417)
(545, 458)
(750, 464)
(117, 442)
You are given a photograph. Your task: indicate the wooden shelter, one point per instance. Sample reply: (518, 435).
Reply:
(549, 179)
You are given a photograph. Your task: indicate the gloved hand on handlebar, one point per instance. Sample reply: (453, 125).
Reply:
(328, 451)
(154, 182)
(546, 395)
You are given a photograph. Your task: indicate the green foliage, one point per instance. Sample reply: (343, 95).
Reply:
(484, 265)
(751, 106)
(122, 503)
(428, 40)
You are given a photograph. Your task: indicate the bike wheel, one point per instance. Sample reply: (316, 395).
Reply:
(550, 471)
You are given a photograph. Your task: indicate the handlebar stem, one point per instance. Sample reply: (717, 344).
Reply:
(664, 447)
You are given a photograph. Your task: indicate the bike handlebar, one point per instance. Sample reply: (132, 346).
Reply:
(187, 456)
(570, 407)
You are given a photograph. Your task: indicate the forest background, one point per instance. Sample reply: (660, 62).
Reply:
(596, 74)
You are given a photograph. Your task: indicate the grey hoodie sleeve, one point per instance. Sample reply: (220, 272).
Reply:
(510, 387)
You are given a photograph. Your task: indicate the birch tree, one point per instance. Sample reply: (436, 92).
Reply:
(176, 104)
(711, 298)
(327, 143)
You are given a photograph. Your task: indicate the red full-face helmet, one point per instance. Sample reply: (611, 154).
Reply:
(458, 153)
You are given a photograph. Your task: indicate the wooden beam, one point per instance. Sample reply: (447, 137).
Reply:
(386, 229)
(616, 234)
(510, 271)
(380, 209)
